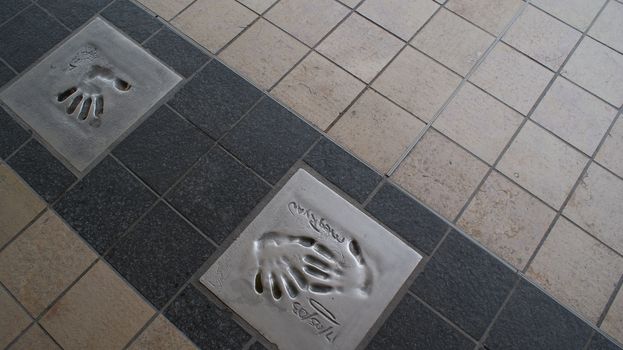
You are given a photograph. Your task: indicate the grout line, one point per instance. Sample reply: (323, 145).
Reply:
(617, 290)
(485, 335)
(19, 12)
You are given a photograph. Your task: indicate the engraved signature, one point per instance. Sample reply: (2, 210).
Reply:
(321, 320)
(318, 223)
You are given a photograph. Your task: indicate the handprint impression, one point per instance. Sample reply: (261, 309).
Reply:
(87, 98)
(290, 264)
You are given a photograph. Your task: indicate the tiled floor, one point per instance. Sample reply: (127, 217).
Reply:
(504, 117)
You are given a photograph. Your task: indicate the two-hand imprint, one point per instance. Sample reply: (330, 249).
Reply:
(291, 264)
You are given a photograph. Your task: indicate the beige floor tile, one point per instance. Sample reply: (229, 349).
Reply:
(507, 219)
(598, 69)
(318, 90)
(577, 269)
(309, 21)
(542, 164)
(99, 312)
(166, 9)
(542, 37)
(478, 122)
(491, 15)
(13, 319)
(361, 47)
(417, 83)
(376, 130)
(350, 3)
(162, 335)
(213, 23)
(578, 13)
(35, 339)
(609, 27)
(453, 41)
(18, 204)
(597, 207)
(575, 115)
(401, 17)
(264, 53)
(613, 322)
(43, 261)
(610, 154)
(512, 77)
(258, 6)
(440, 173)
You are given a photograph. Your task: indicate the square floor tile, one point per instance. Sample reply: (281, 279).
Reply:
(613, 322)
(491, 15)
(578, 13)
(417, 83)
(270, 139)
(608, 27)
(533, 320)
(191, 311)
(575, 115)
(512, 77)
(258, 6)
(27, 36)
(577, 269)
(376, 130)
(18, 204)
(35, 338)
(350, 3)
(99, 312)
(43, 261)
(405, 216)
(131, 19)
(345, 171)
(11, 8)
(401, 17)
(596, 206)
(478, 122)
(163, 148)
(215, 99)
(453, 41)
(217, 194)
(308, 21)
(162, 335)
(507, 220)
(542, 164)
(104, 204)
(263, 53)
(594, 66)
(542, 37)
(73, 13)
(167, 9)
(41, 170)
(610, 154)
(465, 283)
(440, 174)
(13, 319)
(318, 90)
(599, 342)
(12, 135)
(160, 254)
(6, 74)
(213, 23)
(175, 51)
(414, 326)
(361, 47)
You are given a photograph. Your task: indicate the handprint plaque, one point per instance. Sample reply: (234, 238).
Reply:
(311, 271)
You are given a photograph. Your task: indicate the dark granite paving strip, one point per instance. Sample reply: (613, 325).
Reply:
(465, 284)
(217, 194)
(160, 254)
(343, 170)
(9, 8)
(270, 139)
(128, 17)
(175, 51)
(215, 99)
(73, 13)
(163, 148)
(104, 204)
(257, 346)
(6, 74)
(413, 326)
(41, 170)
(27, 36)
(405, 216)
(599, 342)
(533, 320)
(203, 323)
(12, 135)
